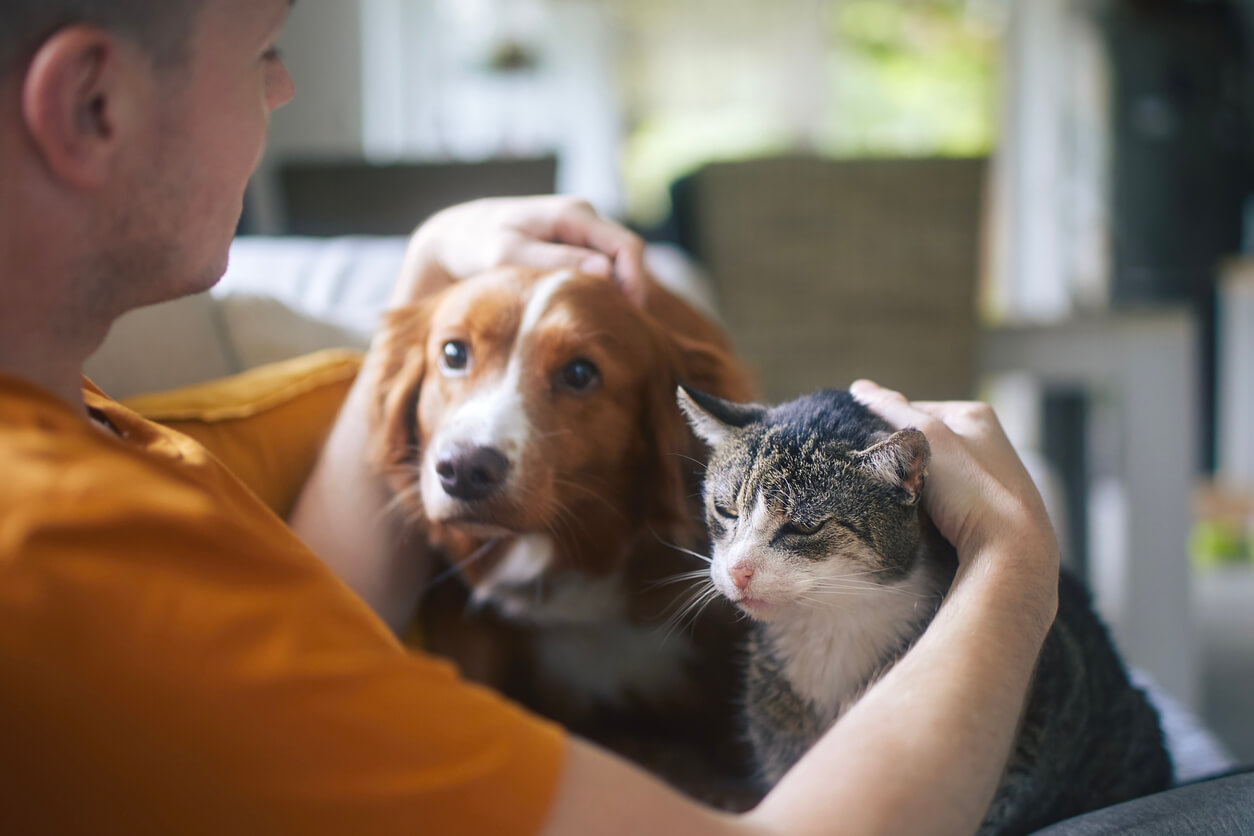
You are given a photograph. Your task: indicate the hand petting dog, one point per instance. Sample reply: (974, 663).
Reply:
(551, 232)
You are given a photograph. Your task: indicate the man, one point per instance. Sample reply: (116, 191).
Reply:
(175, 659)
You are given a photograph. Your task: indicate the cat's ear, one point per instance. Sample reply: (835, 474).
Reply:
(899, 460)
(714, 419)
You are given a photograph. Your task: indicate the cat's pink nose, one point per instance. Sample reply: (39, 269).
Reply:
(740, 575)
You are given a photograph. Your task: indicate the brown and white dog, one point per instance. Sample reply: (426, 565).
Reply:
(526, 424)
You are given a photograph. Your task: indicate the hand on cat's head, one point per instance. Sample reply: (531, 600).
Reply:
(978, 492)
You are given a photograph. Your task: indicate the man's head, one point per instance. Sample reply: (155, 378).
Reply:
(128, 131)
(161, 27)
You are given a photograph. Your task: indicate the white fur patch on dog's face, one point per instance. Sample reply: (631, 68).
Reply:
(495, 414)
(528, 557)
(541, 298)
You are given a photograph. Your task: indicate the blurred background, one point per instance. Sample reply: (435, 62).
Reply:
(1044, 203)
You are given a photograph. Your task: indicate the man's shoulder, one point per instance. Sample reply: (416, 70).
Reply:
(53, 470)
(39, 438)
(62, 471)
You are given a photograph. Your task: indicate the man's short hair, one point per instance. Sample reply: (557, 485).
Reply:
(161, 27)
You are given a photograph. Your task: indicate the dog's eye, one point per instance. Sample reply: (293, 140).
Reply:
(725, 512)
(580, 375)
(805, 529)
(455, 356)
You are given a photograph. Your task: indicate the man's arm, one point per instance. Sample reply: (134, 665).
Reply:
(923, 751)
(342, 513)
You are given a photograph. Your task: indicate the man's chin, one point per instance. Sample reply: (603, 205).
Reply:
(214, 272)
(190, 284)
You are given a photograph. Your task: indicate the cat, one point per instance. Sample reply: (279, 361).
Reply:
(813, 511)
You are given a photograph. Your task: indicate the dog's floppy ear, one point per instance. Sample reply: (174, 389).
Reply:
(401, 347)
(701, 353)
(676, 454)
(713, 370)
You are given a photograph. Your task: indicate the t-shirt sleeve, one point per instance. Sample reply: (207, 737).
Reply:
(266, 425)
(165, 669)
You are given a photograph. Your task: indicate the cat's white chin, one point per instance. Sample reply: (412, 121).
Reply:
(758, 609)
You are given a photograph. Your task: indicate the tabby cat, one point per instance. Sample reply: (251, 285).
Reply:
(818, 536)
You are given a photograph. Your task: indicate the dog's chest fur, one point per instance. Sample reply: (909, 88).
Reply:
(614, 664)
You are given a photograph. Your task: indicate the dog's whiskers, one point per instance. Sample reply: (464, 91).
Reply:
(403, 499)
(610, 505)
(459, 565)
(554, 433)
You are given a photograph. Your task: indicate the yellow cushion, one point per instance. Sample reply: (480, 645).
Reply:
(268, 424)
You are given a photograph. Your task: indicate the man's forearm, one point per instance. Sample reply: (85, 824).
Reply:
(924, 750)
(342, 515)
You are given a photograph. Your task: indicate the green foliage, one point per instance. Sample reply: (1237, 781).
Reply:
(911, 78)
(900, 78)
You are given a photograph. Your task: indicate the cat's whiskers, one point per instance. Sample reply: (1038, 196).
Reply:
(690, 610)
(848, 584)
(696, 574)
(710, 599)
(700, 464)
(680, 609)
(680, 548)
(842, 581)
(818, 603)
(865, 587)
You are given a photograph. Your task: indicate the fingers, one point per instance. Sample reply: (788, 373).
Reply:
(969, 419)
(625, 248)
(576, 223)
(546, 233)
(974, 421)
(889, 405)
(545, 256)
(977, 479)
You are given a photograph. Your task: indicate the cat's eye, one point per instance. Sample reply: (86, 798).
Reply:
(725, 512)
(454, 358)
(804, 529)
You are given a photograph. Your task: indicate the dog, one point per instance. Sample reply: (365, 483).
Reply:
(525, 423)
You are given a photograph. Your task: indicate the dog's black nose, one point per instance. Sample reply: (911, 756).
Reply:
(469, 472)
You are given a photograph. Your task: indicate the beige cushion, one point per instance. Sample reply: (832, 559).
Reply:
(161, 347)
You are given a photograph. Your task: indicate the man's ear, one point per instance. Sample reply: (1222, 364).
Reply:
(79, 90)
(900, 461)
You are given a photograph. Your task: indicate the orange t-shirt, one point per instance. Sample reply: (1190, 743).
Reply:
(174, 660)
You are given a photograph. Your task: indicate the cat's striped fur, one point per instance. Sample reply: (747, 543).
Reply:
(814, 515)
